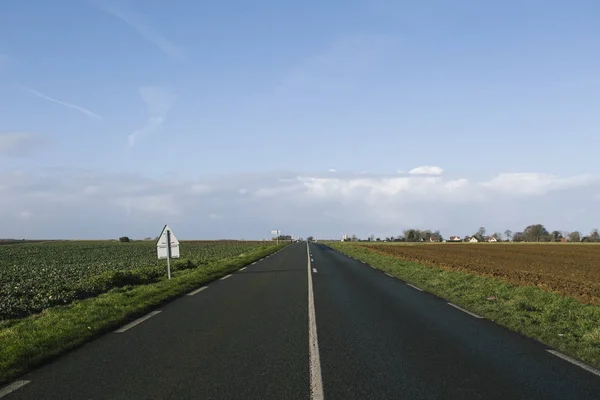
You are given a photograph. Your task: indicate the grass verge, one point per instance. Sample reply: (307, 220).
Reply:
(560, 322)
(34, 340)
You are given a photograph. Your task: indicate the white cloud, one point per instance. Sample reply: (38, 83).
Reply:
(62, 103)
(536, 183)
(331, 170)
(16, 144)
(87, 204)
(426, 170)
(159, 101)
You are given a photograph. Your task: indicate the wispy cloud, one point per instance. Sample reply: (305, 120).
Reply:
(62, 103)
(159, 101)
(144, 28)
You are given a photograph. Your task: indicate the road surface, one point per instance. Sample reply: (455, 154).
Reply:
(289, 328)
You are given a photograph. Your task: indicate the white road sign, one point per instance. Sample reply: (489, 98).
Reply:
(275, 232)
(162, 247)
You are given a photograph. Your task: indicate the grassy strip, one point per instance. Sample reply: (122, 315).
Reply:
(31, 341)
(557, 321)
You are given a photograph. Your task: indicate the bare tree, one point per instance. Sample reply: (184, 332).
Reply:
(508, 234)
(575, 236)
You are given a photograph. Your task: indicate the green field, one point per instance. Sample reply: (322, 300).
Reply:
(36, 276)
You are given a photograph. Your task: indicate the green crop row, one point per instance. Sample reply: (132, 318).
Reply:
(37, 276)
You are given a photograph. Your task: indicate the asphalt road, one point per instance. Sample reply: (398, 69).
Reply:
(252, 336)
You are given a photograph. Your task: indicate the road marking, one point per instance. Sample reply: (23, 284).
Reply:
(241, 269)
(12, 387)
(312, 260)
(315, 270)
(463, 310)
(254, 263)
(225, 277)
(136, 322)
(197, 291)
(575, 362)
(414, 287)
(316, 380)
(388, 275)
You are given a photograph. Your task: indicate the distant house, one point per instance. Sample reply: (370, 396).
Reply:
(492, 239)
(455, 239)
(473, 240)
(563, 240)
(434, 238)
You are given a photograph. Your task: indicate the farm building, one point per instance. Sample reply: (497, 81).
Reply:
(473, 240)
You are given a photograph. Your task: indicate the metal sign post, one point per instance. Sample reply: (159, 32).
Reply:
(167, 247)
(277, 232)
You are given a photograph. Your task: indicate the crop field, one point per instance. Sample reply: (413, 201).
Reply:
(35, 276)
(568, 269)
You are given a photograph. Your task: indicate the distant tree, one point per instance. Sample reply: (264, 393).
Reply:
(594, 236)
(508, 234)
(310, 239)
(497, 236)
(518, 237)
(480, 234)
(378, 239)
(575, 236)
(372, 238)
(354, 238)
(411, 235)
(556, 236)
(124, 239)
(536, 233)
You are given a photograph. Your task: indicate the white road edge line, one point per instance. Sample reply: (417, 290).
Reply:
(391, 276)
(136, 322)
(575, 362)
(241, 269)
(414, 287)
(197, 291)
(12, 387)
(254, 263)
(465, 311)
(316, 380)
(225, 277)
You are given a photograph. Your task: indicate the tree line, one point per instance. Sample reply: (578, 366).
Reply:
(531, 233)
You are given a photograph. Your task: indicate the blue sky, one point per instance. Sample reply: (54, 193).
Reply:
(143, 100)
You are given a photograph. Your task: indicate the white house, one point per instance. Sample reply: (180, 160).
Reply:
(492, 239)
(473, 240)
(455, 239)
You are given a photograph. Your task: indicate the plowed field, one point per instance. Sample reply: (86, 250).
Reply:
(569, 269)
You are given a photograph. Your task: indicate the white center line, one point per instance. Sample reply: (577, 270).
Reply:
(315, 270)
(12, 387)
(225, 277)
(241, 269)
(465, 311)
(197, 291)
(574, 361)
(316, 380)
(137, 321)
(414, 287)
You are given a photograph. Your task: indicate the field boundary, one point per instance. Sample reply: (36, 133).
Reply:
(35, 340)
(557, 321)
